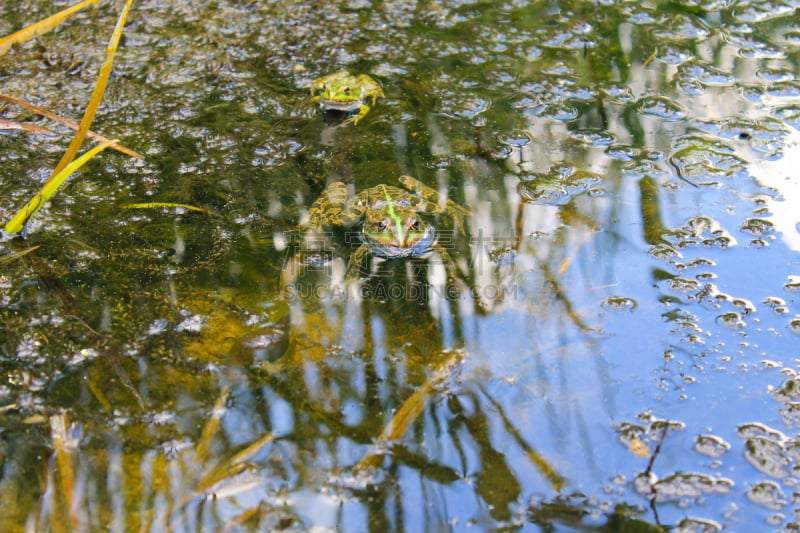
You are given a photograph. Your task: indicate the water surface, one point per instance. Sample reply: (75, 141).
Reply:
(619, 351)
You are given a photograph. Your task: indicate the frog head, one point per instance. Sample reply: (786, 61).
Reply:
(338, 91)
(394, 230)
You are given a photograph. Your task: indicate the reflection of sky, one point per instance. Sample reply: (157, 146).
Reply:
(783, 175)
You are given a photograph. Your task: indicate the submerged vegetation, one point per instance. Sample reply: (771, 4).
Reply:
(619, 350)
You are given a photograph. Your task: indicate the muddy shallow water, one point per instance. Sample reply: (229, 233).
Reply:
(619, 346)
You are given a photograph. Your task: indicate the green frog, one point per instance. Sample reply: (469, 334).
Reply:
(342, 91)
(391, 220)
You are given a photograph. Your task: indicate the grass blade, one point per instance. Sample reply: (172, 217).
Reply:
(43, 26)
(65, 121)
(58, 176)
(97, 94)
(13, 125)
(156, 205)
(15, 224)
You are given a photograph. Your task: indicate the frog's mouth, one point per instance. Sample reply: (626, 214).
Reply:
(414, 245)
(334, 105)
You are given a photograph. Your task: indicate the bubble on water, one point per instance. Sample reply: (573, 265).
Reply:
(698, 525)
(672, 56)
(730, 320)
(788, 114)
(785, 89)
(161, 418)
(699, 159)
(684, 285)
(530, 53)
(629, 433)
(701, 230)
(662, 107)
(83, 355)
(690, 87)
(767, 494)
(28, 348)
(680, 27)
(618, 94)
(745, 305)
(752, 93)
(711, 445)
(792, 36)
(559, 111)
(751, 12)
(157, 326)
(468, 107)
(502, 256)
(767, 456)
(705, 74)
(791, 415)
(663, 251)
(712, 5)
(759, 50)
(557, 187)
(193, 323)
(793, 285)
(696, 263)
(775, 74)
(619, 303)
(566, 39)
(524, 101)
(757, 226)
(593, 137)
(778, 305)
(268, 344)
(641, 168)
(685, 485)
(517, 138)
(621, 152)
(766, 135)
(789, 390)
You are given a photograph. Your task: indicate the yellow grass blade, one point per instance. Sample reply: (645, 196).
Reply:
(408, 413)
(58, 176)
(43, 26)
(13, 125)
(156, 205)
(211, 429)
(97, 95)
(64, 488)
(15, 224)
(65, 121)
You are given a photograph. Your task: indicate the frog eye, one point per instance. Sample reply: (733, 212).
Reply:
(414, 226)
(383, 225)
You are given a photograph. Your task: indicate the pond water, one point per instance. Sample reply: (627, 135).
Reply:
(610, 343)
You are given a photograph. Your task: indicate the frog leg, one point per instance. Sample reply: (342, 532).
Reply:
(327, 209)
(433, 202)
(370, 87)
(363, 109)
(357, 259)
